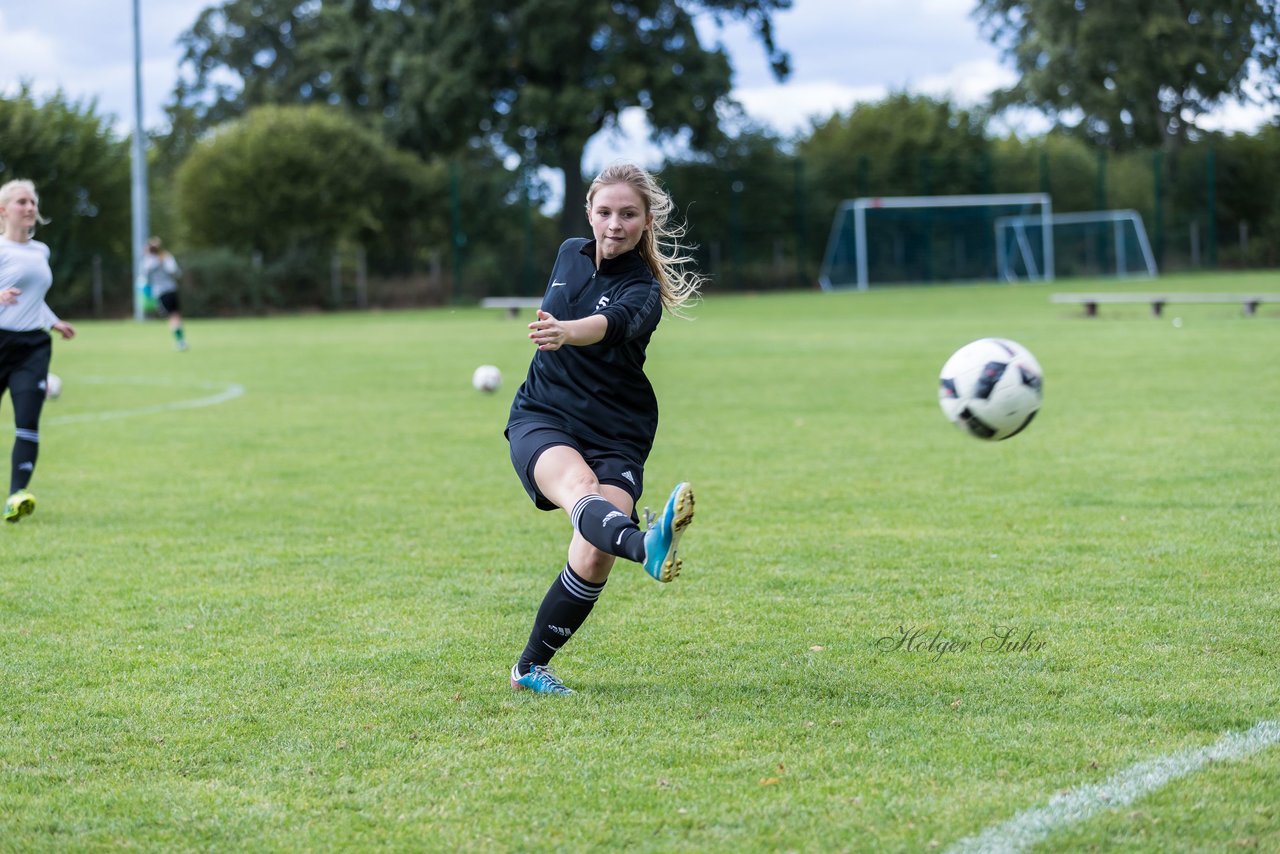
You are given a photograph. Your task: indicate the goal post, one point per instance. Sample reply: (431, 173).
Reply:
(928, 238)
(1096, 243)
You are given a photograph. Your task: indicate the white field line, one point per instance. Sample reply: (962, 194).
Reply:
(227, 391)
(1032, 826)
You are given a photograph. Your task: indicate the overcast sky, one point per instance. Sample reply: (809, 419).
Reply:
(843, 52)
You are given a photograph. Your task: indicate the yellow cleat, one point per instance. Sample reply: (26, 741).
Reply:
(21, 503)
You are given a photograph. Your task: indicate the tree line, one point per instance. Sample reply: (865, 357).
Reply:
(401, 144)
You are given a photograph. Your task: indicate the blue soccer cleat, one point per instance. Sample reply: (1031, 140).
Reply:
(539, 680)
(663, 535)
(21, 503)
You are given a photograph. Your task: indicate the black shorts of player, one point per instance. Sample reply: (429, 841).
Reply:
(24, 360)
(169, 302)
(530, 438)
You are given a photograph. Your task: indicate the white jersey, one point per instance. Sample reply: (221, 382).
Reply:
(25, 266)
(162, 272)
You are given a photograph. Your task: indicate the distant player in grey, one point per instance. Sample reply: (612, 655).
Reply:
(160, 269)
(25, 345)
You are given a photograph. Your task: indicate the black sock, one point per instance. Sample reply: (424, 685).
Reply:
(25, 449)
(608, 528)
(565, 607)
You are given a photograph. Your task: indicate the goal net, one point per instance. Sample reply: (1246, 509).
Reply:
(901, 239)
(1086, 243)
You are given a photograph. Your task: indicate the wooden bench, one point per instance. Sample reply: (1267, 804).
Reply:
(1157, 302)
(513, 305)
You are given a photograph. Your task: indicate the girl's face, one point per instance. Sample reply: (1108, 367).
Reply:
(618, 219)
(20, 212)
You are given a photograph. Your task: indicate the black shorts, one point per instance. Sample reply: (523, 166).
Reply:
(530, 438)
(169, 302)
(24, 360)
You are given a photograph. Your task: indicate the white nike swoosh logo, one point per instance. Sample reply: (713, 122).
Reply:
(558, 284)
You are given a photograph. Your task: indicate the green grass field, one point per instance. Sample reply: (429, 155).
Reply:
(284, 621)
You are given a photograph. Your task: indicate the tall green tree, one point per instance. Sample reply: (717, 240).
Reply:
(242, 54)
(81, 172)
(537, 78)
(568, 69)
(1135, 72)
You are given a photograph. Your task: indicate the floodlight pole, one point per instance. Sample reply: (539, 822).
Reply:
(140, 224)
(860, 235)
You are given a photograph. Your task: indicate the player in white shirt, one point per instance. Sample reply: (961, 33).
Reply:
(161, 271)
(25, 344)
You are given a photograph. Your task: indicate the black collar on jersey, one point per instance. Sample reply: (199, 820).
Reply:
(612, 266)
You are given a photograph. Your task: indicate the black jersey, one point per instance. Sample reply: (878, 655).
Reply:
(599, 391)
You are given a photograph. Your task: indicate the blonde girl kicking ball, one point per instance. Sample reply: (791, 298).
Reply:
(583, 422)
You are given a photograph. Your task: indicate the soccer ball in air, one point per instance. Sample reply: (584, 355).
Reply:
(52, 386)
(486, 378)
(991, 388)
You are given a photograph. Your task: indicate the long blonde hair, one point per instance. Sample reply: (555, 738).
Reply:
(7, 192)
(659, 246)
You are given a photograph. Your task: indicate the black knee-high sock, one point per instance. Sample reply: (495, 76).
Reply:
(608, 528)
(565, 607)
(26, 447)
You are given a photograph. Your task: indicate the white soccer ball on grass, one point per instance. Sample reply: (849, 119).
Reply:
(991, 388)
(52, 387)
(486, 378)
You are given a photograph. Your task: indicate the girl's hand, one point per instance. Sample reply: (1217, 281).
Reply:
(547, 332)
(66, 330)
(8, 296)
